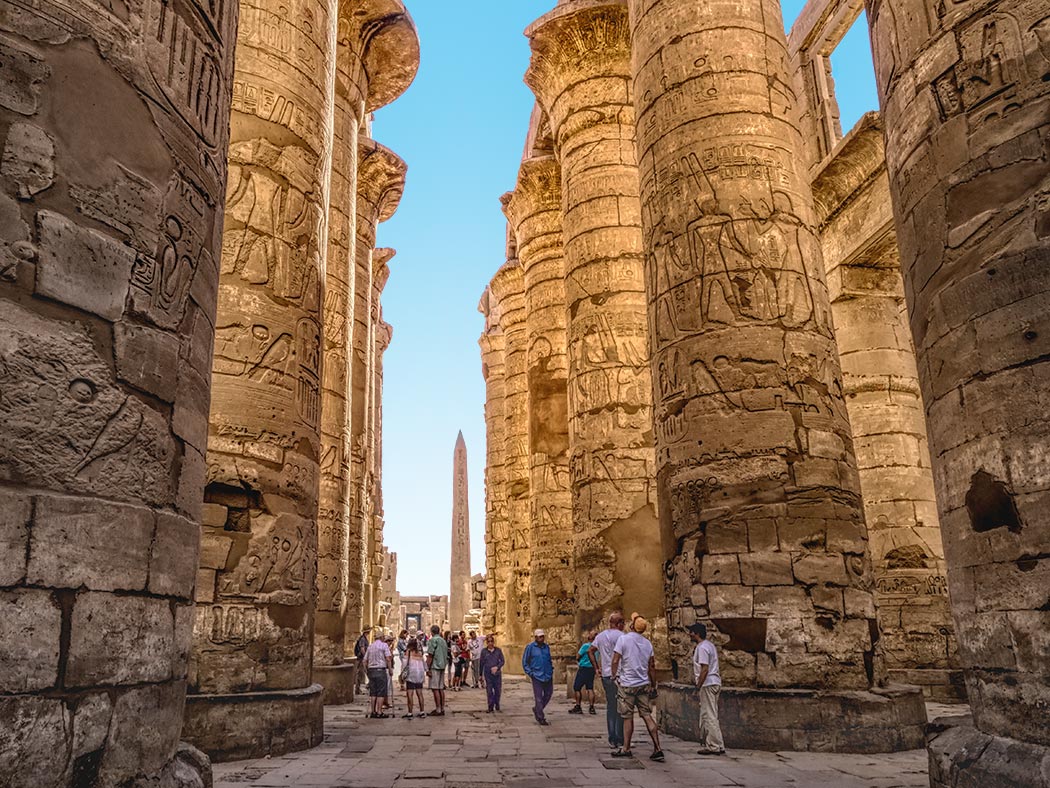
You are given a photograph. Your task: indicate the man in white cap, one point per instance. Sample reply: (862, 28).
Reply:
(538, 666)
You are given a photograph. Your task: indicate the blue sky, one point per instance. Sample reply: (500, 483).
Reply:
(461, 128)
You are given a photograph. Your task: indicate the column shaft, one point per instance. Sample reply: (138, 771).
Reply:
(534, 209)
(966, 100)
(580, 73)
(114, 169)
(496, 531)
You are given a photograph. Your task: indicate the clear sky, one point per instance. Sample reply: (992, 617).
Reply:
(461, 128)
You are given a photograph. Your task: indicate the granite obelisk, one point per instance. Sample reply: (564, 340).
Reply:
(459, 588)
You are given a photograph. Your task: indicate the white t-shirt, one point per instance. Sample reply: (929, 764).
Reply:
(475, 645)
(377, 655)
(634, 651)
(706, 654)
(606, 642)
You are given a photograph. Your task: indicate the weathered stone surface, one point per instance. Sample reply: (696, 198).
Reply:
(143, 733)
(32, 730)
(15, 513)
(30, 625)
(961, 755)
(125, 642)
(148, 359)
(81, 542)
(173, 558)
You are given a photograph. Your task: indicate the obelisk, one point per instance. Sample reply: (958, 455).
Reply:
(459, 584)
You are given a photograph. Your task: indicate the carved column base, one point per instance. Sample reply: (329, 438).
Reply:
(254, 724)
(338, 683)
(961, 755)
(891, 719)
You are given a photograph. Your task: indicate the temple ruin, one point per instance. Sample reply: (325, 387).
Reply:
(741, 367)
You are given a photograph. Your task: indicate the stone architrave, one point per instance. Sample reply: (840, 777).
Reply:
(755, 465)
(376, 49)
(581, 75)
(534, 209)
(381, 181)
(255, 591)
(496, 532)
(881, 386)
(113, 169)
(460, 594)
(508, 287)
(966, 101)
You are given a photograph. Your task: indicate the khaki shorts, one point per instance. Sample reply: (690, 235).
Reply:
(437, 679)
(629, 699)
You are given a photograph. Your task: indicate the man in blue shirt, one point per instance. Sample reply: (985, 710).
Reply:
(537, 664)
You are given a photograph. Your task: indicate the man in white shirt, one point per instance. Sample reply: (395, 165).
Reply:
(379, 661)
(634, 664)
(605, 642)
(709, 680)
(475, 644)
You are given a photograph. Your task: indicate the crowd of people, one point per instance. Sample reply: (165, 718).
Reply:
(620, 655)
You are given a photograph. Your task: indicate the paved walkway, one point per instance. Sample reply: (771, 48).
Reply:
(472, 749)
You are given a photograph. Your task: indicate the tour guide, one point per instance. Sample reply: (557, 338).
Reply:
(537, 664)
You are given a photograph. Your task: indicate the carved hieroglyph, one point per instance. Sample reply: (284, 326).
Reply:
(508, 289)
(496, 529)
(459, 591)
(256, 586)
(381, 181)
(758, 483)
(534, 210)
(966, 98)
(382, 334)
(113, 165)
(580, 73)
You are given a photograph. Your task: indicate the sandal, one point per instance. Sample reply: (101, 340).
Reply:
(622, 753)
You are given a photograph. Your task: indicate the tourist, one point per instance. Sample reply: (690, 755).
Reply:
(390, 644)
(360, 647)
(491, 664)
(379, 661)
(476, 644)
(449, 642)
(462, 651)
(606, 643)
(633, 664)
(437, 664)
(583, 686)
(402, 650)
(413, 675)
(537, 664)
(709, 680)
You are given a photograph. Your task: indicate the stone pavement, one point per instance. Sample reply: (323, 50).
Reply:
(472, 749)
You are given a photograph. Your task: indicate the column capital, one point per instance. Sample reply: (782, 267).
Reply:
(578, 41)
(380, 179)
(385, 36)
(538, 191)
(384, 336)
(381, 267)
(508, 287)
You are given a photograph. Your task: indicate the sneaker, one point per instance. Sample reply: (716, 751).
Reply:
(422, 714)
(543, 722)
(407, 716)
(657, 756)
(575, 710)
(707, 751)
(593, 711)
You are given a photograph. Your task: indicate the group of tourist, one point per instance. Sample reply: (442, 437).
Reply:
(621, 655)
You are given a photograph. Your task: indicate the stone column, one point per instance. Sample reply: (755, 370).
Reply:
(580, 73)
(966, 101)
(113, 171)
(382, 333)
(496, 531)
(381, 180)
(508, 286)
(757, 476)
(881, 385)
(534, 210)
(255, 592)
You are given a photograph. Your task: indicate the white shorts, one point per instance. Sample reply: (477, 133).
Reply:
(437, 679)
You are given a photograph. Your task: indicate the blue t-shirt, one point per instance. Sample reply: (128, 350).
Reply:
(585, 656)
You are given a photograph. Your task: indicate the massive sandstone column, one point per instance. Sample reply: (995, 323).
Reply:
(496, 533)
(534, 210)
(966, 99)
(255, 593)
(758, 482)
(381, 181)
(382, 333)
(508, 287)
(580, 73)
(113, 134)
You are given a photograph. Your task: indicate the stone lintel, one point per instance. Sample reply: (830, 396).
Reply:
(890, 719)
(962, 756)
(858, 157)
(246, 725)
(337, 681)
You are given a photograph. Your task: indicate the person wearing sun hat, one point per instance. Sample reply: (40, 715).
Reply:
(633, 665)
(538, 666)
